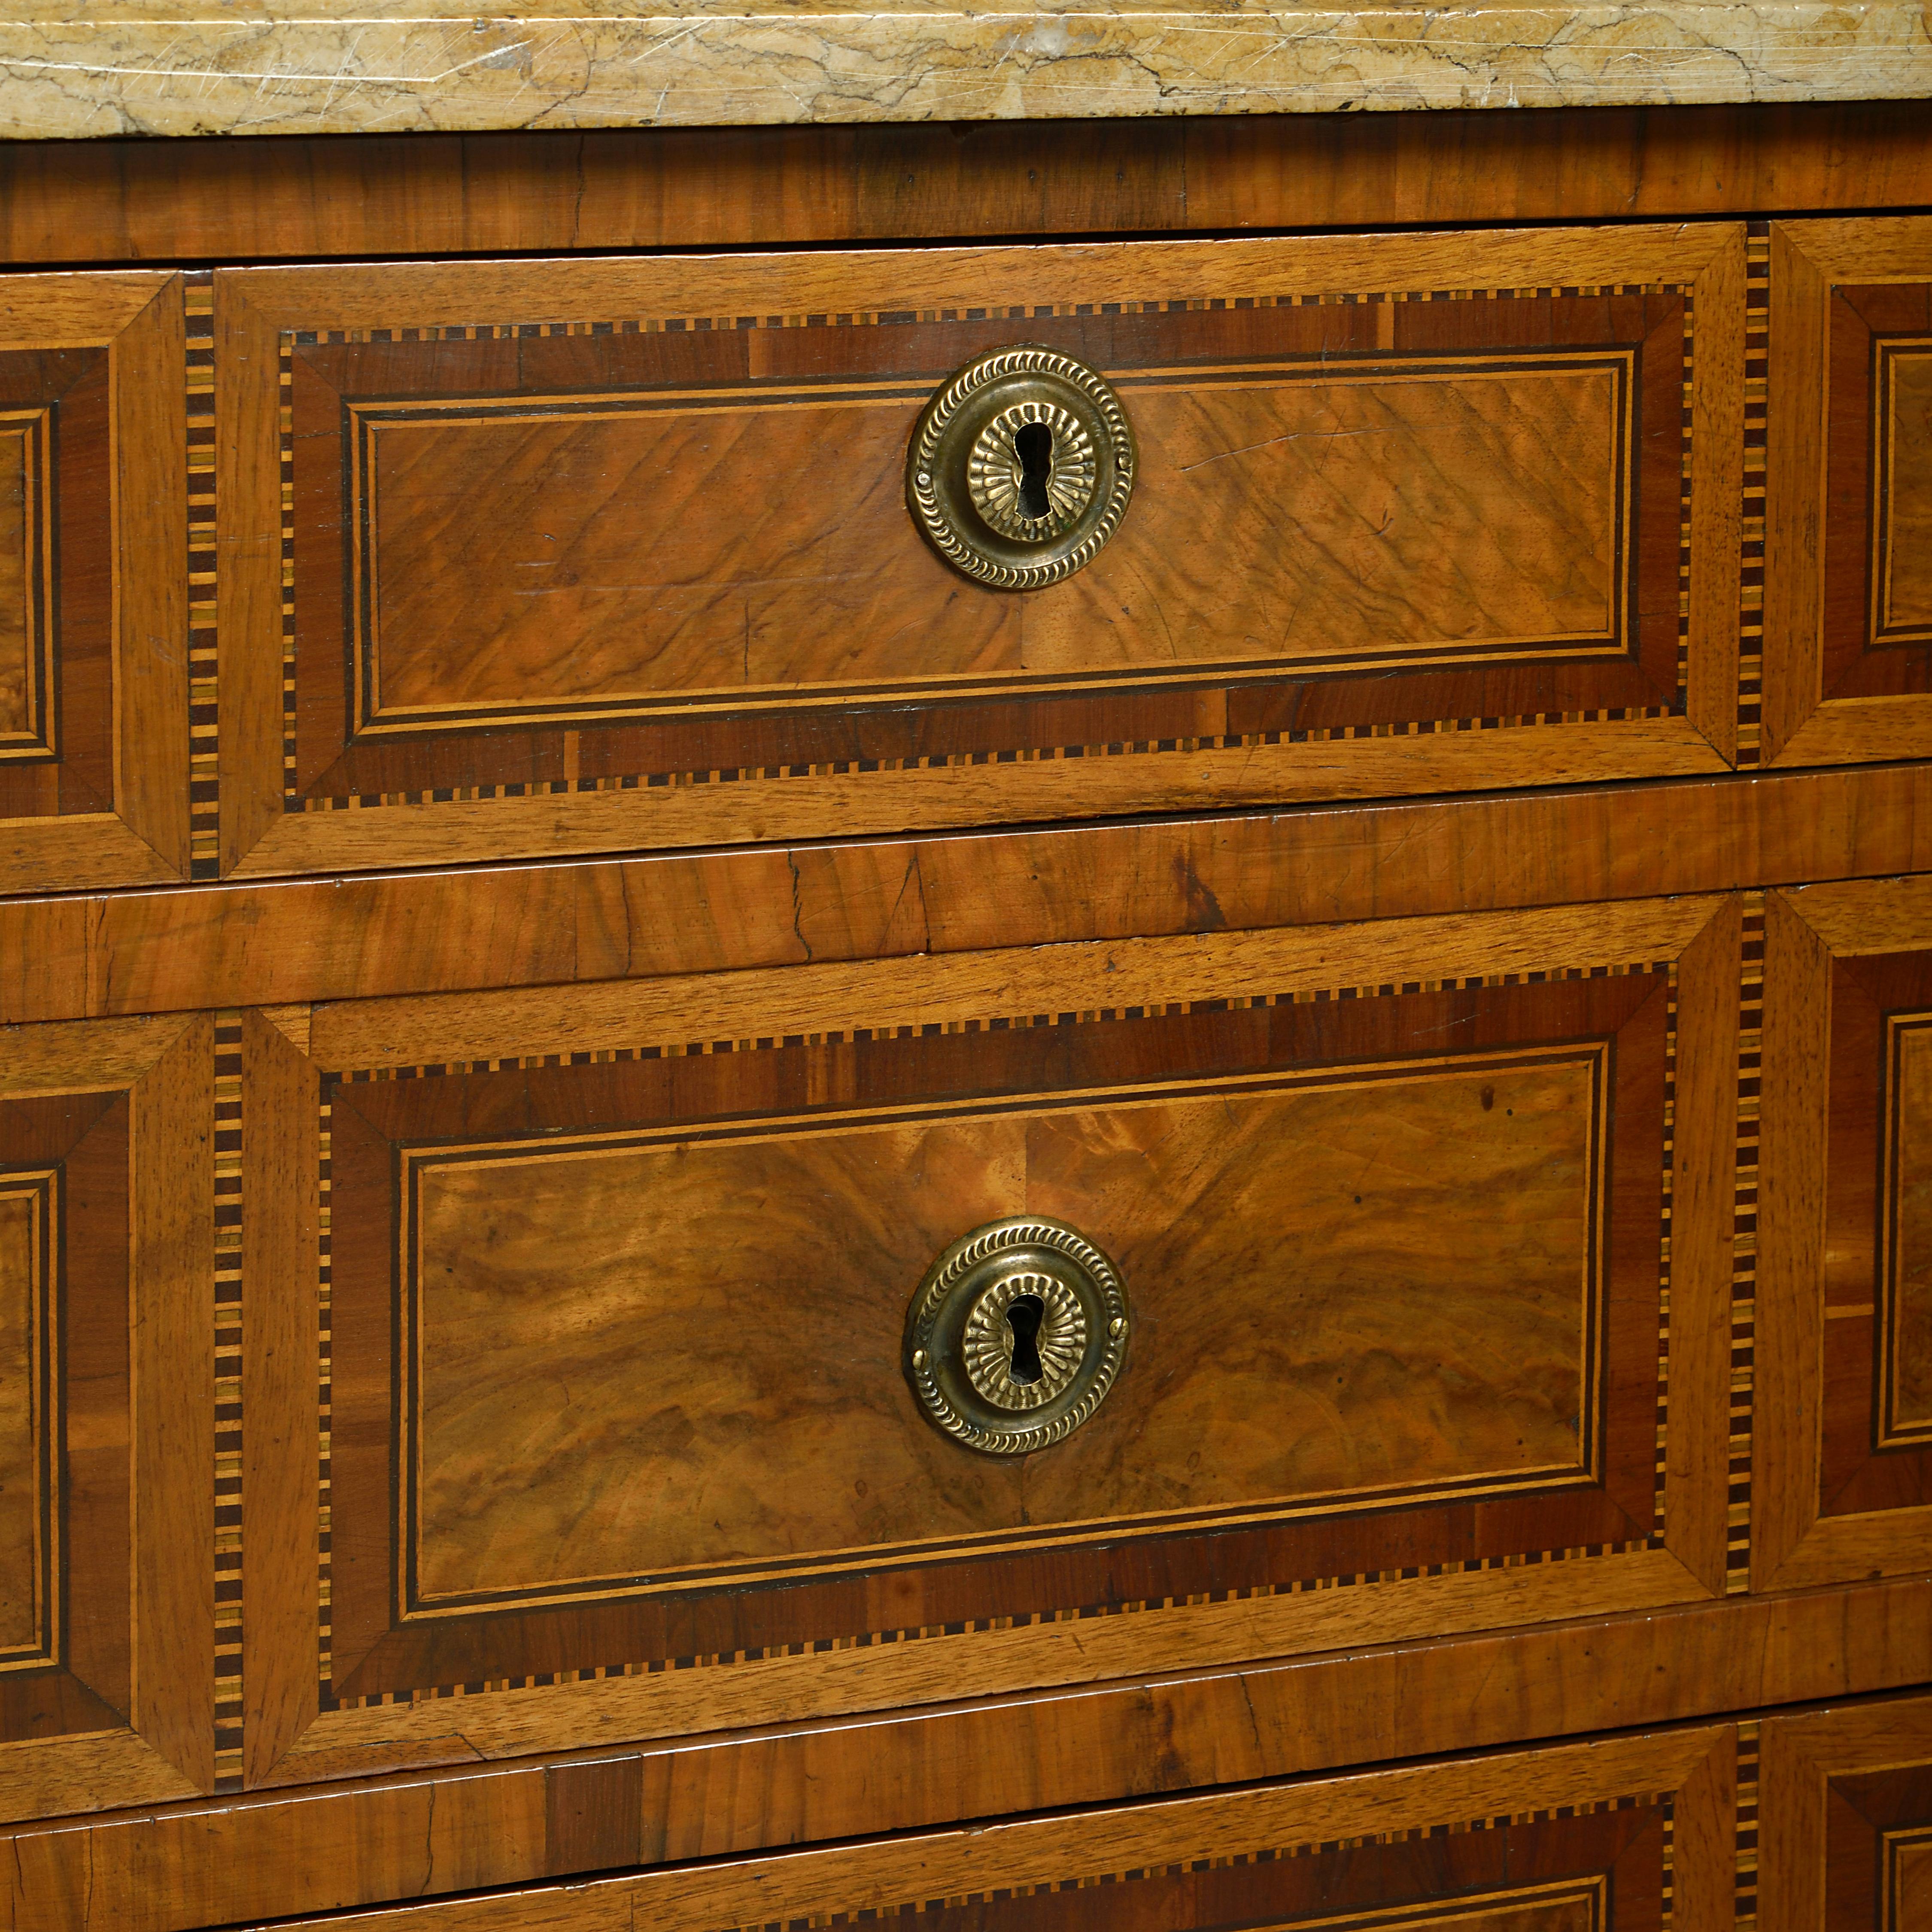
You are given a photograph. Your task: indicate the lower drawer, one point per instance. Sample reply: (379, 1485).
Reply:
(595, 1317)
(1817, 1823)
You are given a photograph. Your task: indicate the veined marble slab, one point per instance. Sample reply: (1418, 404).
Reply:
(79, 67)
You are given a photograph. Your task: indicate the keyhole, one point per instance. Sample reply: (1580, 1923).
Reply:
(1033, 446)
(1023, 1315)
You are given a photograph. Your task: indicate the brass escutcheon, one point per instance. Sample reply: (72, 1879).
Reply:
(1020, 467)
(1015, 1335)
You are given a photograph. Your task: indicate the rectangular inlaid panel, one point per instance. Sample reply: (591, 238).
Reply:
(679, 1352)
(626, 555)
(581, 557)
(94, 582)
(1905, 1315)
(106, 1452)
(29, 1382)
(1908, 1880)
(1877, 1331)
(1878, 586)
(1902, 494)
(26, 623)
(607, 1339)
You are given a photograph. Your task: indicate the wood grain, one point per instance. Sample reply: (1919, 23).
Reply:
(644, 552)
(679, 913)
(23, 613)
(483, 1825)
(1907, 1399)
(1807, 1763)
(107, 803)
(106, 200)
(1840, 291)
(1905, 533)
(172, 1350)
(929, 990)
(24, 1423)
(281, 1218)
(1823, 1504)
(582, 648)
(1425, 1347)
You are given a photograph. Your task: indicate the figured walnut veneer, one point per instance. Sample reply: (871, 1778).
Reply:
(579, 557)
(618, 553)
(607, 1343)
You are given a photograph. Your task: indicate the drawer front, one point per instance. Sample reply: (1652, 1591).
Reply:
(94, 501)
(1844, 1305)
(1628, 1834)
(528, 558)
(106, 1431)
(1848, 599)
(1845, 1819)
(609, 1401)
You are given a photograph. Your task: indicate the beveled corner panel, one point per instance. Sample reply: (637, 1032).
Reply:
(616, 553)
(1842, 1485)
(1632, 1835)
(1848, 591)
(106, 1415)
(93, 582)
(1399, 1217)
(1845, 1816)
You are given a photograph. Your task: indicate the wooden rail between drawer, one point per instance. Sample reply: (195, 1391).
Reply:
(343, 938)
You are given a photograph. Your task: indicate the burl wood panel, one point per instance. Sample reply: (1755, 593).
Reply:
(582, 556)
(618, 554)
(630, 1360)
(27, 1378)
(1905, 1313)
(1319, 1385)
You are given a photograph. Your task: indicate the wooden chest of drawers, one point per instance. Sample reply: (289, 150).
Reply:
(541, 919)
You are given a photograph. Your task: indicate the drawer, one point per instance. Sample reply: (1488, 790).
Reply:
(1848, 507)
(107, 1260)
(594, 1315)
(1845, 1819)
(94, 491)
(524, 557)
(1844, 1298)
(1630, 1834)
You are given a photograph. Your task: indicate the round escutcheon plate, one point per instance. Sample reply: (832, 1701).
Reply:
(1015, 1335)
(1020, 467)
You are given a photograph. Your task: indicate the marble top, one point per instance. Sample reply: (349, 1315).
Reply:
(84, 67)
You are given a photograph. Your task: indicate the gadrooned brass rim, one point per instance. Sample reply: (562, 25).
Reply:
(971, 1269)
(937, 488)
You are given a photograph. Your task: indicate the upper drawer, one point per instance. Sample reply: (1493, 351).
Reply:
(525, 557)
(95, 502)
(1848, 509)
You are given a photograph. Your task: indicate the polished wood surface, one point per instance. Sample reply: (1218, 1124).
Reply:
(94, 685)
(1847, 491)
(712, 1798)
(1845, 1817)
(1847, 1496)
(105, 1699)
(452, 1438)
(266, 944)
(593, 553)
(1426, 1346)
(266, 199)
(1451, 1390)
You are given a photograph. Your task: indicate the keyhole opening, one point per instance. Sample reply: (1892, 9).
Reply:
(1023, 1318)
(1033, 446)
